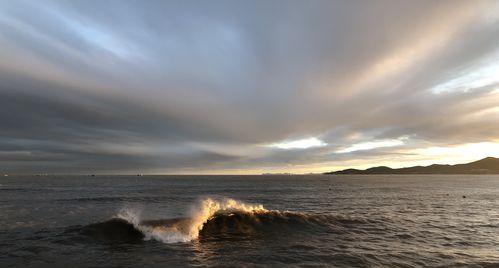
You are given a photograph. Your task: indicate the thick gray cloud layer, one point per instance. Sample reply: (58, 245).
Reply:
(189, 86)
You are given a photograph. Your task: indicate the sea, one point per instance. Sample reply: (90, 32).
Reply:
(250, 221)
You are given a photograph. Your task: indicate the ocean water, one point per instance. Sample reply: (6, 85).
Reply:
(249, 221)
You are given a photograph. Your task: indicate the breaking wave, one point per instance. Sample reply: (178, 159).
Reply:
(210, 219)
(187, 229)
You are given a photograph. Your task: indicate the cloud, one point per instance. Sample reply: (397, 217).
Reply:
(185, 86)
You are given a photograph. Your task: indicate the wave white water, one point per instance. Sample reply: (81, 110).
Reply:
(188, 229)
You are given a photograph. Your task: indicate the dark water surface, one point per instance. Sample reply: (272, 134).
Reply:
(349, 221)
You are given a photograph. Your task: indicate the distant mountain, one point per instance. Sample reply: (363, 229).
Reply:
(489, 165)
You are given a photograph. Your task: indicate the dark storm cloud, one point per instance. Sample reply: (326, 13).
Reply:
(168, 86)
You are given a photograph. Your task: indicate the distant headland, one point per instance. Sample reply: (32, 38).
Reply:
(489, 165)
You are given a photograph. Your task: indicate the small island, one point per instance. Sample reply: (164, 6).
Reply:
(489, 165)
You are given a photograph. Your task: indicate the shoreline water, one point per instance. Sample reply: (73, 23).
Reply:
(316, 220)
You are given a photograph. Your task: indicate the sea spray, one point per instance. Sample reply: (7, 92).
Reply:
(130, 215)
(165, 234)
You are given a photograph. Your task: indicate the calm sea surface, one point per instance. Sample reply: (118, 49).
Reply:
(249, 221)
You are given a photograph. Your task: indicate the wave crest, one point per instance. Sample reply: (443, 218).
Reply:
(217, 219)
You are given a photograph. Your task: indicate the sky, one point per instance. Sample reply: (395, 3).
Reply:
(246, 87)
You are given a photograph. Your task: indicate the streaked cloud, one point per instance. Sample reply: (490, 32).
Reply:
(220, 87)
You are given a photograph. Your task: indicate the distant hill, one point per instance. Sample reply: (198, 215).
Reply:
(489, 165)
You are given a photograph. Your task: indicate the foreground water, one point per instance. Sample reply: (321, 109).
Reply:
(234, 221)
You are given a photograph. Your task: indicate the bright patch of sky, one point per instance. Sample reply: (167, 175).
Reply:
(363, 146)
(99, 37)
(484, 75)
(299, 144)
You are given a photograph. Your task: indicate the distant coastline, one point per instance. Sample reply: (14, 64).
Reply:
(489, 165)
